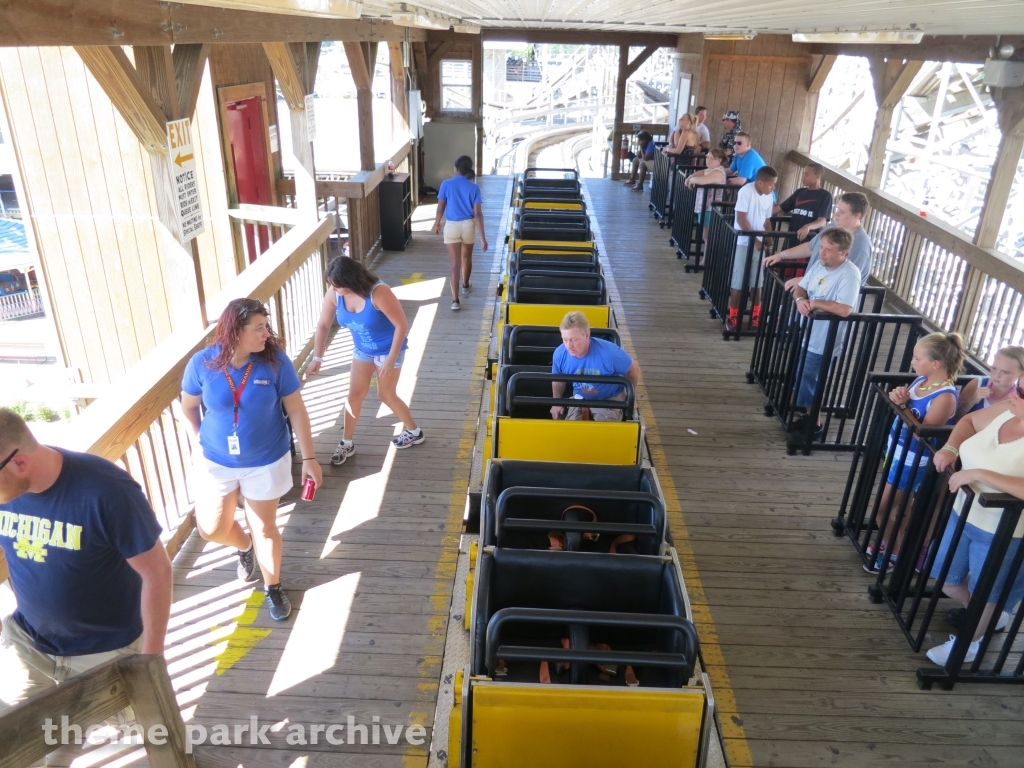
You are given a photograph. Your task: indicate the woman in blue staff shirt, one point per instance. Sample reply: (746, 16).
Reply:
(369, 309)
(460, 203)
(232, 394)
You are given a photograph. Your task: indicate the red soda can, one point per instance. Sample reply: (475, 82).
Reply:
(308, 489)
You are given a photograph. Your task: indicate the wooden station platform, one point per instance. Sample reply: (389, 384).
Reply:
(807, 672)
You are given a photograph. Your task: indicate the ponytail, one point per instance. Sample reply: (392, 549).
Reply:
(464, 166)
(948, 349)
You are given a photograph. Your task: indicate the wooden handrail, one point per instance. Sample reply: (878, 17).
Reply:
(987, 260)
(357, 186)
(90, 698)
(115, 420)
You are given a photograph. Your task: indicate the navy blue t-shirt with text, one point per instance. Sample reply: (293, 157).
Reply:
(67, 550)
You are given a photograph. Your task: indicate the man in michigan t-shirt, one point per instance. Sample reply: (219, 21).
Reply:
(91, 577)
(582, 355)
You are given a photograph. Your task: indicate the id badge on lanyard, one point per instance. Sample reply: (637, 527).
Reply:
(234, 447)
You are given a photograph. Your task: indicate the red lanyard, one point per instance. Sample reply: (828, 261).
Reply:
(238, 392)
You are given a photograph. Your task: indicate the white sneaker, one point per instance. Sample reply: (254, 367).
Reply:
(467, 288)
(456, 306)
(940, 653)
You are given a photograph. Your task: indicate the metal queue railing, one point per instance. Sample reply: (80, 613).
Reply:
(897, 533)
(670, 170)
(690, 206)
(863, 342)
(719, 260)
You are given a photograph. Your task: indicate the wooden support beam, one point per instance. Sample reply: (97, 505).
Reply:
(641, 57)
(576, 36)
(312, 64)
(288, 60)
(477, 98)
(362, 74)
(399, 82)
(147, 22)
(1010, 109)
(890, 79)
(966, 49)
(820, 72)
(620, 107)
(151, 694)
(129, 95)
(155, 68)
(189, 65)
(434, 60)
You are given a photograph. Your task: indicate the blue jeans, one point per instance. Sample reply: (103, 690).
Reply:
(809, 380)
(969, 559)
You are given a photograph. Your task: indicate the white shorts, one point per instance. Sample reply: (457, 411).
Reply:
(460, 232)
(271, 481)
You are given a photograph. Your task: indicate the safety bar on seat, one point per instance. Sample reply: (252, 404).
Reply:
(512, 399)
(684, 661)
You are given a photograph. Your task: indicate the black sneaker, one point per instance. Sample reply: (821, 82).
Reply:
(278, 602)
(247, 563)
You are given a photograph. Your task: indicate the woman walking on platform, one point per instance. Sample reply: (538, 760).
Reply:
(232, 396)
(460, 203)
(373, 314)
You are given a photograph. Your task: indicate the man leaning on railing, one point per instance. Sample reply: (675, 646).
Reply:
(90, 574)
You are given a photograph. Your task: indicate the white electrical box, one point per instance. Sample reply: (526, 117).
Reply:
(1004, 74)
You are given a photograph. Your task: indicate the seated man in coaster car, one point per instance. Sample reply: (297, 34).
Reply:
(580, 354)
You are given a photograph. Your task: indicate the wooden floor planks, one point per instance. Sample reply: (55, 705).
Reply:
(819, 676)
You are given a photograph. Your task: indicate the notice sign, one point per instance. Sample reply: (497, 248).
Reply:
(310, 117)
(183, 171)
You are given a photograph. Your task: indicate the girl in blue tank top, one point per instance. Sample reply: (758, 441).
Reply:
(930, 400)
(1007, 366)
(373, 315)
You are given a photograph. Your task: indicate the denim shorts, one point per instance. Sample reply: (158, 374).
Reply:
(809, 380)
(378, 360)
(969, 559)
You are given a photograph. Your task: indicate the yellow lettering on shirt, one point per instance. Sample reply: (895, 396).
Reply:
(33, 535)
(57, 539)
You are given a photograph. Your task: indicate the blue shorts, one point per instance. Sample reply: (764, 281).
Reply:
(378, 360)
(809, 380)
(908, 468)
(969, 559)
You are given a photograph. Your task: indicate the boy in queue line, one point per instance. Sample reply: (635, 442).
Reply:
(580, 354)
(810, 207)
(754, 205)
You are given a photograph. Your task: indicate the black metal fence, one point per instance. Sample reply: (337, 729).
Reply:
(906, 525)
(863, 342)
(690, 209)
(670, 170)
(719, 263)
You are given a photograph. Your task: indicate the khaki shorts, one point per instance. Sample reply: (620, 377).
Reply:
(460, 232)
(597, 414)
(36, 671)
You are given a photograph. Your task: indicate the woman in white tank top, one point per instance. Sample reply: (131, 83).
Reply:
(990, 445)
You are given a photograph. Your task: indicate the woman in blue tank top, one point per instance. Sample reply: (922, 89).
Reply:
(930, 400)
(373, 315)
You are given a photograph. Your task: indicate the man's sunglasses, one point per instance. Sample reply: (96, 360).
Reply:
(252, 305)
(13, 453)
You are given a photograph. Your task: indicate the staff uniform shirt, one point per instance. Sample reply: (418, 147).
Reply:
(860, 251)
(604, 358)
(460, 195)
(67, 550)
(757, 207)
(841, 285)
(747, 165)
(807, 205)
(263, 434)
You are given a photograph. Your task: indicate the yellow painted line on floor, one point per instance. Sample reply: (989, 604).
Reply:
(737, 751)
(441, 599)
(244, 636)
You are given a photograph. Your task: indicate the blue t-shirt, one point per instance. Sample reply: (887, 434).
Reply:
(67, 550)
(263, 435)
(841, 285)
(460, 195)
(747, 165)
(602, 359)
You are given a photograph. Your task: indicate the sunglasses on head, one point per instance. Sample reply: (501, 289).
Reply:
(7, 461)
(251, 305)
